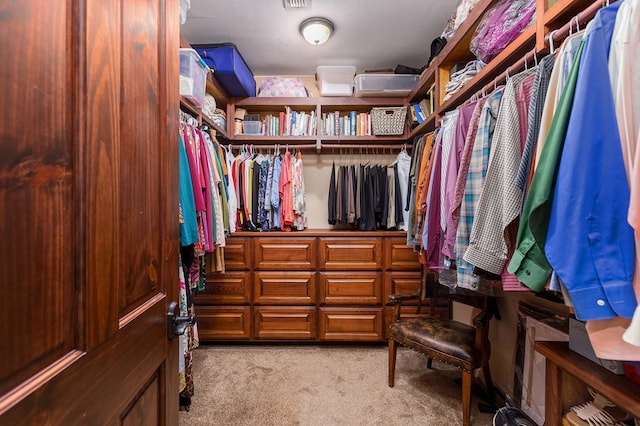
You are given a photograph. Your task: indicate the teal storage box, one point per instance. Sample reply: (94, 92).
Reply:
(231, 70)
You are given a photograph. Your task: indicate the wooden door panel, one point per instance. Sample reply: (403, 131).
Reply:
(88, 157)
(145, 410)
(100, 385)
(37, 207)
(140, 189)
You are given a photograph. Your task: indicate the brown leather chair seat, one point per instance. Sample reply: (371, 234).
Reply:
(445, 338)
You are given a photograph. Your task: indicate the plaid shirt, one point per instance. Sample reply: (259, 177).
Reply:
(473, 188)
(500, 201)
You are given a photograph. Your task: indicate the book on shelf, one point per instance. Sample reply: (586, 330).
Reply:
(412, 116)
(425, 107)
(353, 123)
(419, 114)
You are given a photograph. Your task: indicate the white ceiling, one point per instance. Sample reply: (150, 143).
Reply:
(369, 34)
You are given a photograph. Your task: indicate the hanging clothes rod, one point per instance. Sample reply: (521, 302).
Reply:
(581, 18)
(366, 147)
(311, 144)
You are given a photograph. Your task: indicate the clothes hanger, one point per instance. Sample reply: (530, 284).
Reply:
(550, 37)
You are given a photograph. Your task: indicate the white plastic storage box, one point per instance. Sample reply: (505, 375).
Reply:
(335, 80)
(252, 127)
(392, 85)
(193, 77)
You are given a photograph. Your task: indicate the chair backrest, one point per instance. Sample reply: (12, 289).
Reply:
(434, 291)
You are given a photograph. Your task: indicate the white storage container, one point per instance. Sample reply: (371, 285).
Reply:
(193, 76)
(335, 80)
(392, 85)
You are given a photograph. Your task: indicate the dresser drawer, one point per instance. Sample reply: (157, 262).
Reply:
(398, 256)
(283, 323)
(351, 324)
(401, 283)
(350, 253)
(231, 288)
(285, 253)
(223, 323)
(237, 254)
(284, 288)
(351, 288)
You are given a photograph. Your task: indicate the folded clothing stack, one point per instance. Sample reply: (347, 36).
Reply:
(459, 78)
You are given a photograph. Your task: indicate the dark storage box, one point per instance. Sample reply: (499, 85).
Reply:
(231, 71)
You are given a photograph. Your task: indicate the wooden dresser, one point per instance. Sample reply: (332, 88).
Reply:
(307, 286)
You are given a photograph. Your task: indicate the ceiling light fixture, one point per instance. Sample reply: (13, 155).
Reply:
(316, 30)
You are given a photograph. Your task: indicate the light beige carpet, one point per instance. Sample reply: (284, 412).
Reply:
(321, 385)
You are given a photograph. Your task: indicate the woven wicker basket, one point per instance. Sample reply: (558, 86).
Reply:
(388, 121)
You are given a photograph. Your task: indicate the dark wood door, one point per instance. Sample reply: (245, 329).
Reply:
(88, 211)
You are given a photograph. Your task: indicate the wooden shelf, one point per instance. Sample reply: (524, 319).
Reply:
(339, 103)
(563, 365)
(260, 138)
(427, 78)
(426, 126)
(564, 9)
(390, 138)
(458, 46)
(196, 112)
(520, 46)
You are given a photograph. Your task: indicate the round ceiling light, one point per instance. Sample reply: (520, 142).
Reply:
(316, 30)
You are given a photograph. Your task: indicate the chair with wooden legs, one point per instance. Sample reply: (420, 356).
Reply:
(461, 345)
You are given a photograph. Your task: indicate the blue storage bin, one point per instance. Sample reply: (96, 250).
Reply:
(231, 70)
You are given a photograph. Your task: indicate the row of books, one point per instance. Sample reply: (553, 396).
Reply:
(301, 123)
(290, 123)
(352, 123)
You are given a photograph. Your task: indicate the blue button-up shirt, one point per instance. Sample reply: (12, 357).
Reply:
(589, 242)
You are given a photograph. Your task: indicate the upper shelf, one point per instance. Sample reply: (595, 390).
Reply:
(516, 50)
(340, 103)
(197, 113)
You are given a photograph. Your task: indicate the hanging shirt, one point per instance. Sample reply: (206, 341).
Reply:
(331, 205)
(403, 160)
(233, 199)
(188, 222)
(565, 58)
(624, 68)
(433, 243)
(391, 185)
(286, 193)
(490, 242)
(275, 191)
(586, 214)
(536, 107)
(448, 132)
(465, 160)
(299, 203)
(267, 195)
(529, 262)
(474, 183)
(460, 132)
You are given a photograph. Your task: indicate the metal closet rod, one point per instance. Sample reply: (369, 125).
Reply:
(366, 147)
(275, 145)
(558, 34)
